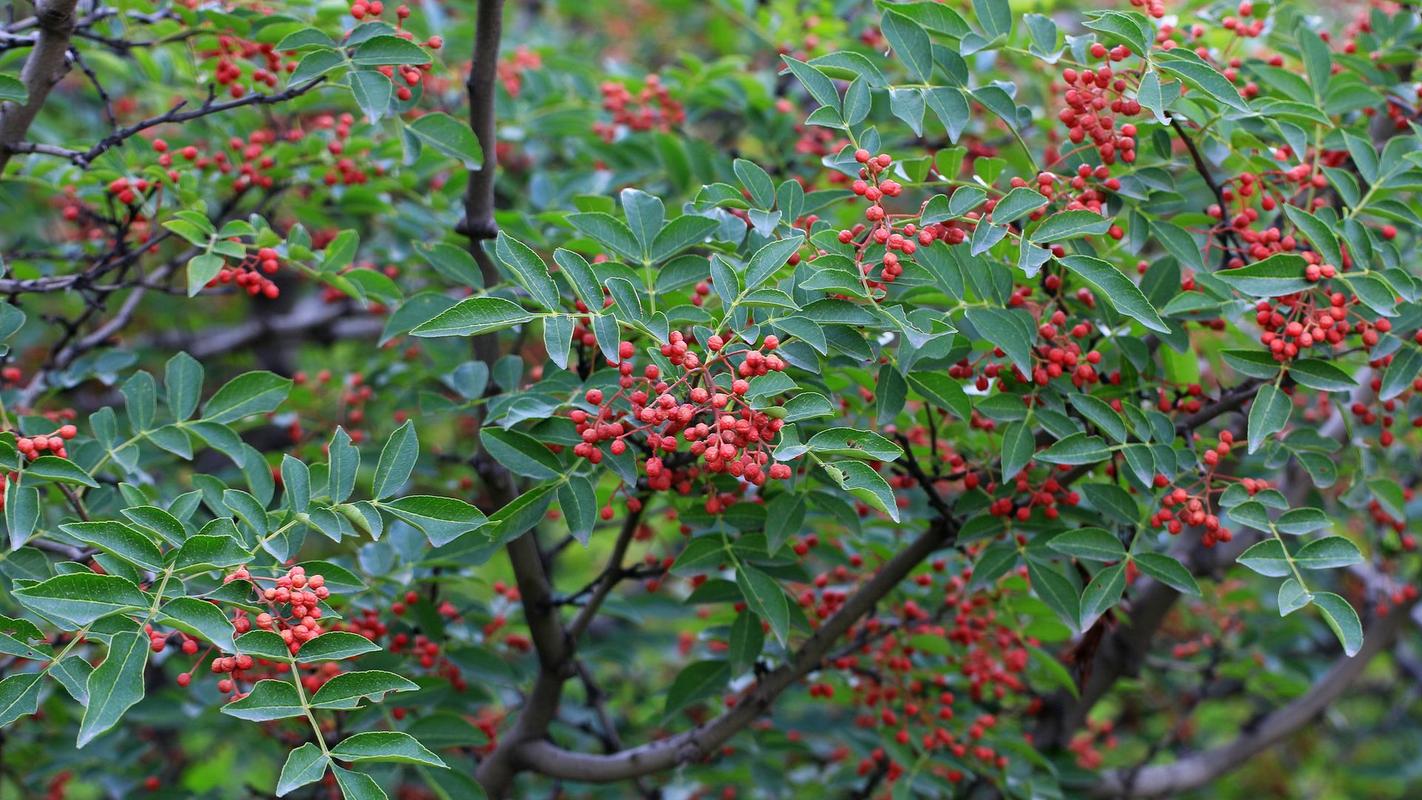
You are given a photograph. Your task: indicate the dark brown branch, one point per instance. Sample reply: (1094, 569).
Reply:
(46, 66)
(549, 759)
(1200, 769)
(176, 114)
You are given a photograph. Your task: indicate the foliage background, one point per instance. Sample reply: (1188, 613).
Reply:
(370, 248)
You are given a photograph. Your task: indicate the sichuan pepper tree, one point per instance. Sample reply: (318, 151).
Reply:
(686, 399)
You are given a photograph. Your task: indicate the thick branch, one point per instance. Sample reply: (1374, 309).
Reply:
(553, 761)
(45, 67)
(478, 222)
(1202, 768)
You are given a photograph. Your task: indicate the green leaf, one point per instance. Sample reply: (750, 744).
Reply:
(397, 459)
(853, 443)
(182, 380)
(473, 316)
(1057, 591)
(266, 644)
(995, 16)
(1017, 204)
(1318, 374)
(1302, 520)
(140, 394)
(769, 259)
(1076, 449)
(1092, 544)
(455, 263)
(199, 618)
(698, 681)
(1168, 571)
(59, 469)
(1018, 447)
(80, 598)
(247, 394)
(520, 453)
(343, 690)
(357, 785)
(313, 65)
(344, 463)
(785, 515)
(701, 554)
(441, 519)
(1268, 558)
(268, 700)
(335, 646)
(1318, 234)
(1329, 552)
(679, 234)
(756, 181)
(447, 135)
(766, 599)
(746, 642)
(1116, 289)
(864, 482)
(1183, 63)
(911, 44)
(951, 108)
(1268, 414)
(120, 540)
(205, 552)
(1317, 63)
(1398, 377)
(1279, 274)
(1179, 243)
(1390, 496)
(21, 512)
(999, 327)
(115, 685)
(1065, 225)
(1101, 414)
(528, 269)
(19, 696)
(385, 746)
(202, 268)
(296, 482)
(942, 391)
(1292, 597)
(1102, 593)
(817, 83)
(306, 764)
(1341, 617)
(12, 90)
(380, 51)
(609, 231)
(857, 101)
(372, 92)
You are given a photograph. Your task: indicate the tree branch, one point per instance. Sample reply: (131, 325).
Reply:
(45, 67)
(553, 761)
(1195, 771)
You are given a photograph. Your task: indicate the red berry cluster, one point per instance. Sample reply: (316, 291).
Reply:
(34, 446)
(248, 273)
(232, 49)
(874, 185)
(725, 433)
(1058, 352)
(1194, 505)
(651, 109)
(1243, 26)
(1294, 323)
(293, 605)
(511, 69)
(902, 690)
